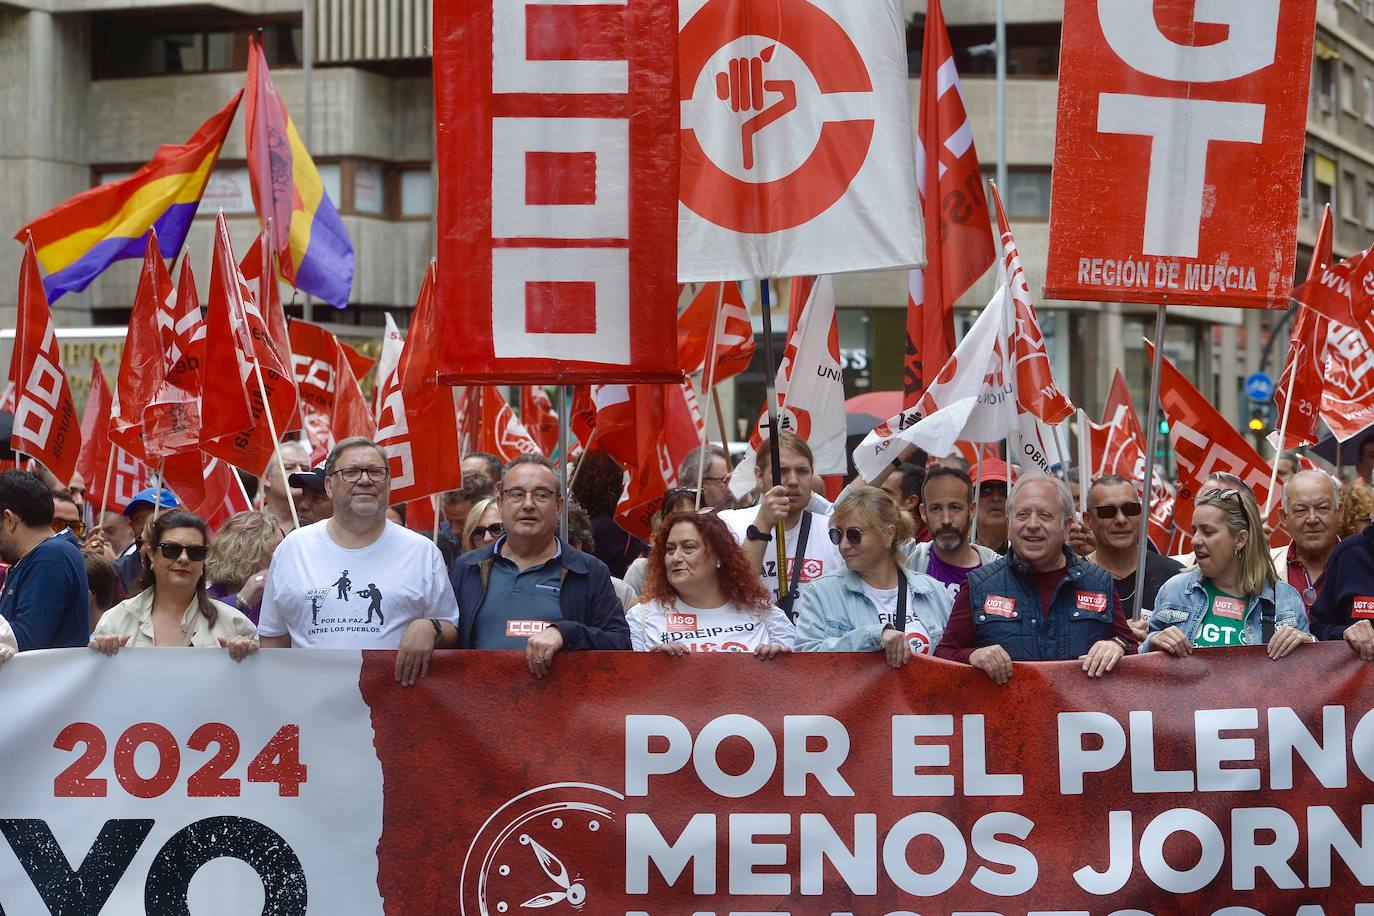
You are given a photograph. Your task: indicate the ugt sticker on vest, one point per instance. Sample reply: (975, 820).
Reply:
(998, 606)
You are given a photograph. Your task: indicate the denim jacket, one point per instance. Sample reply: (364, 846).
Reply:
(834, 614)
(1182, 603)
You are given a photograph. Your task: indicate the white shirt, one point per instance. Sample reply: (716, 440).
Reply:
(330, 597)
(133, 617)
(884, 600)
(718, 629)
(821, 556)
(7, 636)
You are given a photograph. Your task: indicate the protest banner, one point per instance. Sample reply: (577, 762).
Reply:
(619, 786)
(557, 151)
(1178, 152)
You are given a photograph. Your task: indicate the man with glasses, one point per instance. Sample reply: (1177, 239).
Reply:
(1311, 516)
(993, 478)
(408, 603)
(530, 592)
(715, 477)
(1113, 516)
(66, 517)
(45, 595)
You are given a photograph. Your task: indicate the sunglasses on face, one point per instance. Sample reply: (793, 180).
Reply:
(494, 530)
(1109, 511)
(76, 528)
(854, 536)
(195, 553)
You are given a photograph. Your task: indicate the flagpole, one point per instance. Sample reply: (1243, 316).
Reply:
(585, 449)
(563, 445)
(1151, 437)
(977, 493)
(708, 382)
(770, 394)
(1283, 434)
(276, 440)
(434, 501)
(724, 435)
(1084, 459)
(157, 493)
(105, 493)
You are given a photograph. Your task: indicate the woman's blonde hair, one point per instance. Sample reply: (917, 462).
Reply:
(1240, 513)
(874, 508)
(1357, 506)
(475, 514)
(240, 548)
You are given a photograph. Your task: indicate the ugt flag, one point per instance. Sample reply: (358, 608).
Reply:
(797, 151)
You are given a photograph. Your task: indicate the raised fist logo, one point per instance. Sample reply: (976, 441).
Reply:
(745, 89)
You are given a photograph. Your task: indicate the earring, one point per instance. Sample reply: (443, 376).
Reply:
(717, 564)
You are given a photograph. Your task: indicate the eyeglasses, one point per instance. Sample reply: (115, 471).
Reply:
(194, 552)
(494, 530)
(1109, 511)
(353, 475)
(542, 496)
(854, 536)
(77, 528)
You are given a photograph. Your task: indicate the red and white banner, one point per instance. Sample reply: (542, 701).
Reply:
(716, 312)
(126, 474)
(815, 784)
(327, 371)
(797, 153)
(557, 136)
(1178, 151)
(489, 425)
(1347, 403)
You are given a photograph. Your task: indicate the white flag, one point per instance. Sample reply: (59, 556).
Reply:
(971, 399)
(392, 344)
(810, 390)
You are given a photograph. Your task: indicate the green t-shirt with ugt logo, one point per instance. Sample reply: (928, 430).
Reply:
(1224, 624)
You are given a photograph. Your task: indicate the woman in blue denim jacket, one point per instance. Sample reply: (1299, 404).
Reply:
(876, 604)
(1232, 597)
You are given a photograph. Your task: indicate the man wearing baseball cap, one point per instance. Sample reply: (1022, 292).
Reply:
(993, 479)
(128, 566)
(313, 504)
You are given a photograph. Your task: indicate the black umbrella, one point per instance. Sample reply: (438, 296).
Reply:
(6, 431)
(1350, 448)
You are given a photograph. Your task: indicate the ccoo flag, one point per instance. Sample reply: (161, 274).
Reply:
(79, 238)
(308, 235)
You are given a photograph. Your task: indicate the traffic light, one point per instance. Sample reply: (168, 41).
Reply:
(1256, 421)
(1163, 426)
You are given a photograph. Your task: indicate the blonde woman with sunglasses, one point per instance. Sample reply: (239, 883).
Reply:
(1232, 597)
(877, 604)
(173, 609)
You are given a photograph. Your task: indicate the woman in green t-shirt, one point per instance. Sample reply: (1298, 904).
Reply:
(1232, 597)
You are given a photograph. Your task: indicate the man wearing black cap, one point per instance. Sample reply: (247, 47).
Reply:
(313, 504)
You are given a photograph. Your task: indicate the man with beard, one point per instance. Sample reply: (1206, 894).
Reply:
(1113, 517)
(946, 501)
(993, 478)
(1311, 516)
(414, 605)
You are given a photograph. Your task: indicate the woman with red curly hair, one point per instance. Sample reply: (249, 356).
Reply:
(702, 594)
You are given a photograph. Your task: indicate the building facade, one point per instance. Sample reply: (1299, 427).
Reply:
(89, 90)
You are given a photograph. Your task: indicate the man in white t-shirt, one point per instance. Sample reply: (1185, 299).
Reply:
(355, 581)
(810, 554)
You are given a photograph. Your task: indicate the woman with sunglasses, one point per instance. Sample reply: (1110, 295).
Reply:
(877, 604)
(703, 594)
(1232, 597)
(173, 609)
(483, 524)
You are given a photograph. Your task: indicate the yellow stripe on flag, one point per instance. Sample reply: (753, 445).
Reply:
(311, 189)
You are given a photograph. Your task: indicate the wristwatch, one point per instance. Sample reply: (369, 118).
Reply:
(753, 534)
(1125, 647)
(438, 630)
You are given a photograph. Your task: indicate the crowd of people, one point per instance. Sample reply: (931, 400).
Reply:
(920, 562)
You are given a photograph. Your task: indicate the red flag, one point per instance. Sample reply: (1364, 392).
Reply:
(45, 422)
(237, 336)
(583, 414)
(1329, 289)
(1204, 442)
(206, 486)
(267, 295)
(1303, 369)
(1036, 391)
(417, 422)
(1118, 445)
(1162, 516)
(143, 365)
(666, 426)
(959, 244)
(538, 417)
(734, 333)
(171, 422)
(95, 438)
(500, 432)
(616, 421)
(332, 403)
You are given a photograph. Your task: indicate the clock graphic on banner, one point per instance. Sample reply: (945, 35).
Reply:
(554, 848)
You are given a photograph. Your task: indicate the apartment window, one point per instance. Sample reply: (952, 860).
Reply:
(1348, 88)
(1027, 194)
(1325, 83)
(369, 191)
(1369, 206)
(124, 46)
(1324, 183)
(417, 193)
(1369, 9)
(1349, 209)
(1368, 97)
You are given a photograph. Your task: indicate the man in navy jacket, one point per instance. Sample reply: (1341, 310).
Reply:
(1344, 608)
(45, 596)
(528, 590)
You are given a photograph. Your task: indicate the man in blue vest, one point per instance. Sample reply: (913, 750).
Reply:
(1041, 602)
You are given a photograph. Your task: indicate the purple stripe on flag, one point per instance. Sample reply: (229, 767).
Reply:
(171, 227)
(326, 271)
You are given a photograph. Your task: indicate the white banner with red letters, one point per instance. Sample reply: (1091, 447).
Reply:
(557, 146)
(797, 151)
(1179, 150)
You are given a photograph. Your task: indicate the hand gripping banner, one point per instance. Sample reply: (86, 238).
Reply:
(1178, 151)
(557, 136)
(814, 784)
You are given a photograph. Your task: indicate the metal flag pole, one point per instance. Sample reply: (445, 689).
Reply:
(770, 395)
(1151, 438)
(564, 423)
(1283, 434)
(708, 387)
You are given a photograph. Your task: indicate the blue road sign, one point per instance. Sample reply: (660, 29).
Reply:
(1259, 387)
